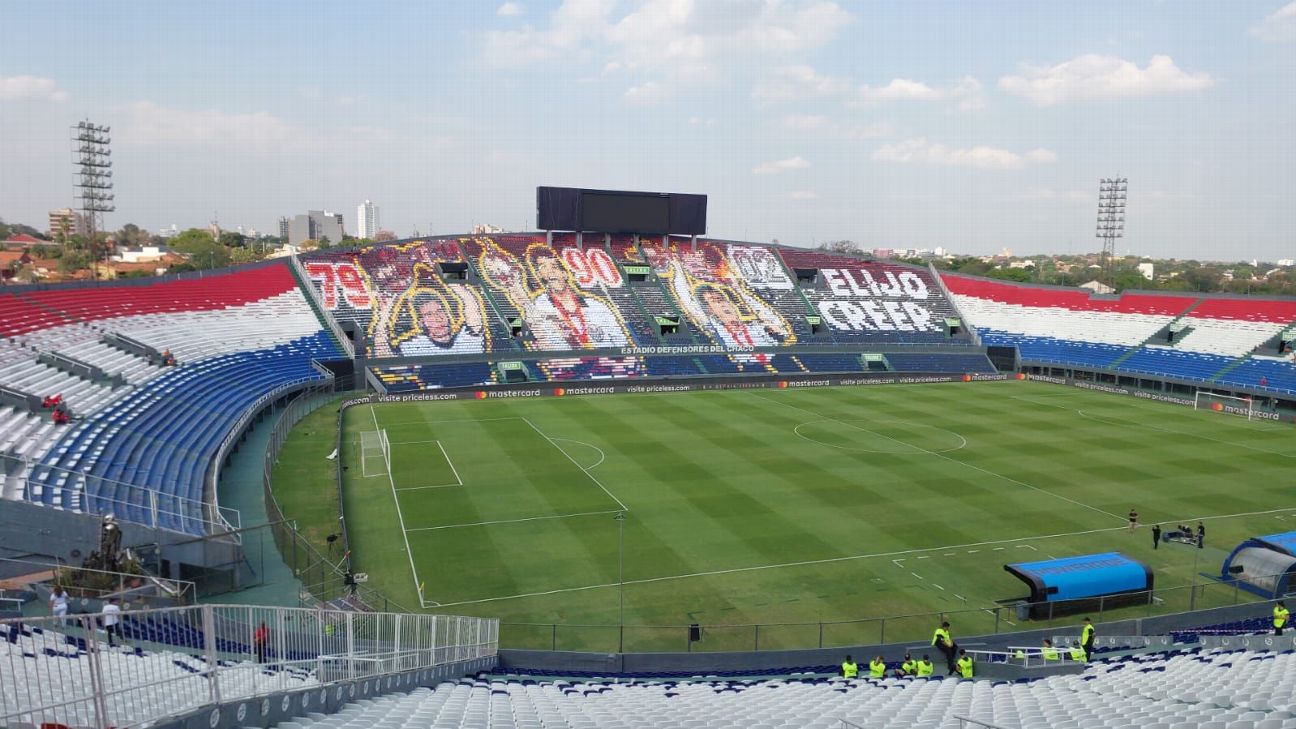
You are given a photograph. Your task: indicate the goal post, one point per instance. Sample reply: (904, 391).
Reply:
(1227, 404)
(375, 453)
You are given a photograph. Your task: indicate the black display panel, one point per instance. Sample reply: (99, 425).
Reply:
(620, 213)
(614, 211)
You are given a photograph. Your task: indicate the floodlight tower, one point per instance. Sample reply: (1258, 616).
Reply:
(94, 179)
(1111, 219)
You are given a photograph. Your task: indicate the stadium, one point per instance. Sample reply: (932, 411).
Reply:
(637, 476)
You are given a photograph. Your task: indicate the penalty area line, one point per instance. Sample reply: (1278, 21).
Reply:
(832, 560)
(591, 476)
(514, 521)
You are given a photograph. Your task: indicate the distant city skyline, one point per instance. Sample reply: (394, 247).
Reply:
(970, 126)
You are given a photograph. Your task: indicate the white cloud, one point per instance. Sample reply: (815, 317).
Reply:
(819, 125)
(780, 165)
(803, 195)
(509, 10)
(1047, 194)
(920, 151)
(793, 83)
(30, 88)
(149, 122)
(650, 93)
(967, 91)
(1092, 76)
(1279, 25)
(680, 39)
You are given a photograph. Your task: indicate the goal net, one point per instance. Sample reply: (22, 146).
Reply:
(375, 453)
(1226, 404)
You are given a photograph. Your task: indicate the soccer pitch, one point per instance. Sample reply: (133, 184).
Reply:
(789, 508)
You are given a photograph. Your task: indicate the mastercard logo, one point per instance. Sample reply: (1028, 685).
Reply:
(967, 378)
(1021, 375)
(481, 394)
(559, 392)
(782, 384)
(1217, 407)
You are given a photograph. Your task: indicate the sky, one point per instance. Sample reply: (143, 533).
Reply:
(973, 126)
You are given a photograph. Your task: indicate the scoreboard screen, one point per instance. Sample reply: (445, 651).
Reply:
(621, 213)
(616, 211)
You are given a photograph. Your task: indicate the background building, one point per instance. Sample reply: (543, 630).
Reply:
(314, 225)
(367, 220)
(66, 221)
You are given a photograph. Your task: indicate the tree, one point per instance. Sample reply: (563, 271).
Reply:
(230, 239)
(203, 250)
(73, 261)
(324, 242)
(383, 236)
(133, 235)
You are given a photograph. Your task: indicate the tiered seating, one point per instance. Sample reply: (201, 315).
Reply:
(832, 362)
(673, 366)
(1045, 321)
(412, 378)
(1219, 331)
(142, 451)
(642, 329)
(939, 362)
(41, 668)
(1262, 373)
(1166, 691)
(875, 302)
(163, 437)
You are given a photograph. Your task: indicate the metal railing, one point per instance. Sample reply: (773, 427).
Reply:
(84, 493)
(913, 628)
(308, 290)
(89, 583)
(154, 664)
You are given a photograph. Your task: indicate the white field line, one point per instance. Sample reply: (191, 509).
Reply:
(454, 420)
(849, 558)
(602, 455)
(437, 486)
(1102, 419)
(453, 470)
(936, 454)
(513, 521)
(592, 477)
(399, 516)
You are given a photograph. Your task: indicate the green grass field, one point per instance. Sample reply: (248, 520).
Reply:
(786, 508)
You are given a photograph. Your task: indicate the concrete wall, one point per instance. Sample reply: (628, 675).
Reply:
(267, 711)
(702, 663)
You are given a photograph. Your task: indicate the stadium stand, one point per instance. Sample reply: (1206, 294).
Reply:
(141, 449)
(1175, 690)
(1203, 339)
(874, 302)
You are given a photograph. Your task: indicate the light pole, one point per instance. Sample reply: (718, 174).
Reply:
(620, 520)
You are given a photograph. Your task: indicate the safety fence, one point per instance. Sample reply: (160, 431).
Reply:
(136, 668)
(915, 628)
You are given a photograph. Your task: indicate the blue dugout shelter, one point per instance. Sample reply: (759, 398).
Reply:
(1077, 584)
(1264, 565)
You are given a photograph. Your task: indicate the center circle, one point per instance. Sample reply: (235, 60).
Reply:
(880, 435)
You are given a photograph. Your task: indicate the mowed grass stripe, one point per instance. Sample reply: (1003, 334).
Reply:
(673, 458)
(509, 472)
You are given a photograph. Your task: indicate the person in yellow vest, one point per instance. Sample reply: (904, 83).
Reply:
(877, 668)
(925, 667)
(1077, 653)
(1280, 616)
(908, 667)
(1087, 633)
(964, 664)
(945, 644)
(1049, 652)
(849, 669)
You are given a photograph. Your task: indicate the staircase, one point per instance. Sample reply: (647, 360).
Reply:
(1157, 335)
(326, 319)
